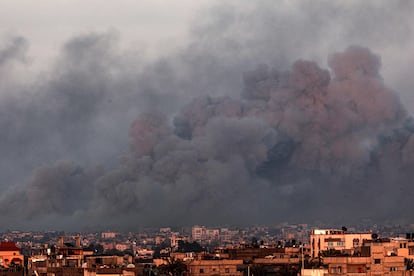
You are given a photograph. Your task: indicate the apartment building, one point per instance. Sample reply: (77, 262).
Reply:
(215, 267)
(10, 255)
(374, 258)
(326, 239)
(204, 234)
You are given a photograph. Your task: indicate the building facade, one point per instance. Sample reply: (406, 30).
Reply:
(327, 239)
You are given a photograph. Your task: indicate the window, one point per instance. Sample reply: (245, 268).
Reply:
(201, 270)
(336, 270)
(377, 261)
(393, 268)
(340, 243)
(227, 270)
(330, 244)
(356, 242)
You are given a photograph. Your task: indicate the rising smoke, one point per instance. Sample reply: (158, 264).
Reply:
(293, 135)
(232, 130)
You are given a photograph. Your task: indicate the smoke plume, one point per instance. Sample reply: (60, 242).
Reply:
(231, 129)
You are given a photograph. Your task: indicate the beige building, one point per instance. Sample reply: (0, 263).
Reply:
(314, 272)
(198, 233)
(108, 235)
(214, 267)
(326, 239)
(202, 233)
(375, 265)
(374, 258)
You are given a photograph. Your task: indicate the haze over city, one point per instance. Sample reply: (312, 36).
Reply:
(125, 114)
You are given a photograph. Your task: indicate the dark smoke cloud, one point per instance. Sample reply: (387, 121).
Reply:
(301, 142)
(316, 141)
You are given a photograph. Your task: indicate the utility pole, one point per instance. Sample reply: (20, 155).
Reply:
(302, 271)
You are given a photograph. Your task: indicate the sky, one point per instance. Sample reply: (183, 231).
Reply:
(120, 114)
(48, 24)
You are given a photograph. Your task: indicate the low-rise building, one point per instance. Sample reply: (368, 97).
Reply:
(10, 255)
(328, 239)
(214, 267)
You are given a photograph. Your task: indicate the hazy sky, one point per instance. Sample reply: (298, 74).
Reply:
(160, 111)
(157, 27)
(47, 24)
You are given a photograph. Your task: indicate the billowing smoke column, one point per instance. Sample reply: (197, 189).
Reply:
(327, 125)
(298, 145)
(294, 140)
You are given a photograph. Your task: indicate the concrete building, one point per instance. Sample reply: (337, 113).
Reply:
(214, 267)
(108, 235)
(72, 260)
(374, 258)
(375, 265)
(10, 255)
(203, 234)
(314, 272)
(326, 239)
(198, 233)
(11, 261)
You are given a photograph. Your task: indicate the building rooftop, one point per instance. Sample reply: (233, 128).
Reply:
(8, 246)
(334, 232)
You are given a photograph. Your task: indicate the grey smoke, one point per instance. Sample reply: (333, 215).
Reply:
(302, 137)
(14, 49)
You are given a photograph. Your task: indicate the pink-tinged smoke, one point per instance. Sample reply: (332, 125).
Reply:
(292, 134)
(145, 132)
(334, 120)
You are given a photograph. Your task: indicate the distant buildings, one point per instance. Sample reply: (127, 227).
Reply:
(108, 235)
(233, 252)
(206, 235)
(73, 260)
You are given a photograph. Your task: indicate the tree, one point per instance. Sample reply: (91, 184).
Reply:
(189, 247)
(173, 267)
(258, 270)
(96, 248)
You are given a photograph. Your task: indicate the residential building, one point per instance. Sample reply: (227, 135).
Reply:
(215, 267)
(11, 261)
(327, 239)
